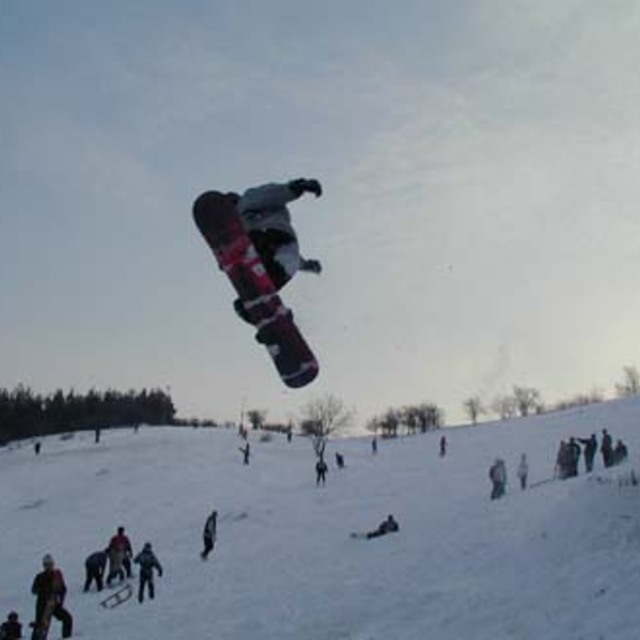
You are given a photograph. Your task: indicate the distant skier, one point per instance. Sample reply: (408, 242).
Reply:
(339, 460)
(209, 534)
(321, 471)
(95, 566)
(523, 471)
(498, 476)
(120, 552)
(443, 447)
(246, 453)
(148, 562)
(11, 629)
(50, 591)
(267, 219)
(374, 445)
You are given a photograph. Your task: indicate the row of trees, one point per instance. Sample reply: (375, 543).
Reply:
(24, 413)
(524, 401)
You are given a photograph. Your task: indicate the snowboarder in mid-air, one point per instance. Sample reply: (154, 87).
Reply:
(267, 220)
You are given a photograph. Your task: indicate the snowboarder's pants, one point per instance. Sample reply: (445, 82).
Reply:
(208, 547)
(93, 573)
(148, 581)
(523, 482)
(59, 613)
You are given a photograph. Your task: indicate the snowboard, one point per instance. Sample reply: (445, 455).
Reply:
(220, 224)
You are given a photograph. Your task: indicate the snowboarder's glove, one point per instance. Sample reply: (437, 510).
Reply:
(311, 265)
(301, 185)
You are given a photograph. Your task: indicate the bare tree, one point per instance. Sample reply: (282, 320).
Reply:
(473, 406)
(323, 416)
(256, 418)
(630, 385)
(526, 399)
(504, 406)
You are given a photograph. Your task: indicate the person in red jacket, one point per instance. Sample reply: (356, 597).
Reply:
(120, 553)
(50, 591)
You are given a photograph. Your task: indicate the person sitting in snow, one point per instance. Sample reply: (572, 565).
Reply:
(386, 526)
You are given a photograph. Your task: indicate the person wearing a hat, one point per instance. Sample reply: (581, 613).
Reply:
(50, 591)
(147, 561)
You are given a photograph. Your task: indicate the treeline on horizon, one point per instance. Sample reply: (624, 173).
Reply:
(25, 414)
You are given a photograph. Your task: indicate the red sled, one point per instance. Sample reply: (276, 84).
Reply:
(219, 222)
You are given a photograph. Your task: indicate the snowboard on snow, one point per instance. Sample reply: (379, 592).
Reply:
(219, 222)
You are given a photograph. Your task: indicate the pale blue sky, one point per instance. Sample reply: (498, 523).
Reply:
(479, 226)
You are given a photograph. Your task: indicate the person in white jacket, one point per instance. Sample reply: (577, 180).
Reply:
(523, 471)
(267, 220)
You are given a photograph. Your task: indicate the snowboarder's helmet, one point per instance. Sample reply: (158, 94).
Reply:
(47, 561)
(12, 617)
(147, 546)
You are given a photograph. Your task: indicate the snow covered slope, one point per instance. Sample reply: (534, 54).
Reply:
(559, 561)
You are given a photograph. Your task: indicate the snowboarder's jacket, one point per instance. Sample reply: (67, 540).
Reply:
(265, 207)
(147, 561)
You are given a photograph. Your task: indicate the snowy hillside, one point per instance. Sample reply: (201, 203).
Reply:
(560, 561)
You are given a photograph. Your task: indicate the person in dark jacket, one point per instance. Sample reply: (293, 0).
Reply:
(209, 534)
(620, 452)
(50, 591)
(148, 562)
(321, 471)
(606, 448)
(386, 526)
(11, 629)
(95, 566)
(590, 449)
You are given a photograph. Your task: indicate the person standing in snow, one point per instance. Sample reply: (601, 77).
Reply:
(148, 562)
(120, 553)
(267, 220)
(590, 449)
(209, 534)
(498, 476)
(443, 447)
(321, 471)
(50, 591)
(606, 448)
(523, 471)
